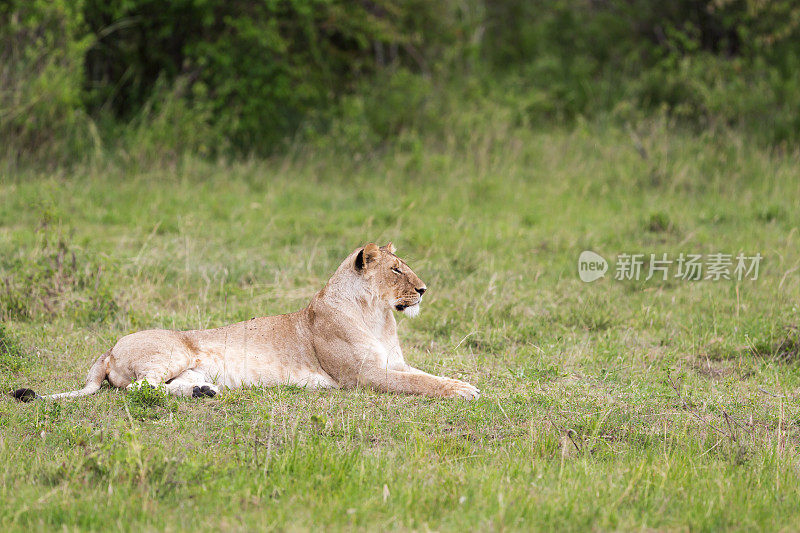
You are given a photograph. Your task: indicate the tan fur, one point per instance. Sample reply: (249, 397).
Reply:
(347, 336)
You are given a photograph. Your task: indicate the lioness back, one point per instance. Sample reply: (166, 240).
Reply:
(262, 351)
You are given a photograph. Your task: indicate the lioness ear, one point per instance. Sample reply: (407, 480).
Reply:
(389, 247)
(366, 255)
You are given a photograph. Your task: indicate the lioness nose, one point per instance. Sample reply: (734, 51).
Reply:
(421, 290)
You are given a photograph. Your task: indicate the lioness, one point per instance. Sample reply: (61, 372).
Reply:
(347, 336)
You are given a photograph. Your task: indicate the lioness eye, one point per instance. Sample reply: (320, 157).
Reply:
(396, 270)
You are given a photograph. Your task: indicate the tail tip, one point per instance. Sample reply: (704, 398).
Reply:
(24, 395)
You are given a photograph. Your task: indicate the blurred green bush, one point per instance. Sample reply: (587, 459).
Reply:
(42, 47)
(214, 77)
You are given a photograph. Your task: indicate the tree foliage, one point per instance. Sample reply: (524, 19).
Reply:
(243, 75)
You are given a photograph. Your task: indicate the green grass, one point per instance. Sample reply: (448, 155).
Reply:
(611, 405)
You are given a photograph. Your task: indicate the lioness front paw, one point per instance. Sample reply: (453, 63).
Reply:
(455, 388)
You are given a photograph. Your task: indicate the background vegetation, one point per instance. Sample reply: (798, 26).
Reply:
(239, 77)
(193, 163)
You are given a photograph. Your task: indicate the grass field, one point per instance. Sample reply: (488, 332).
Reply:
(668, 405)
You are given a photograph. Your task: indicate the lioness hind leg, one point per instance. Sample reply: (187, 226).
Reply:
(193, 384)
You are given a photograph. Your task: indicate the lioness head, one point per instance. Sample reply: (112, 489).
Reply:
(390, 278)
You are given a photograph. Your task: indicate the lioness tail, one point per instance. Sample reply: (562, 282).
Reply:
(97, 374)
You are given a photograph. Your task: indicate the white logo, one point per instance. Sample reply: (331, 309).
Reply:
(591, 266)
